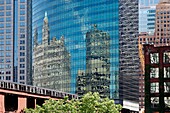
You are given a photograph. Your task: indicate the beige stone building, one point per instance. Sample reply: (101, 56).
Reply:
(51, 62)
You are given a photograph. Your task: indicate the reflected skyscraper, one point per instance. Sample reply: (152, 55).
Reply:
(118, 22)
(51, 61)
(97, 74)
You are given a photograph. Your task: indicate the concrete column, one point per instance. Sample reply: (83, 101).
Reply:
(35, 103)
(2, 104)
(22, 103)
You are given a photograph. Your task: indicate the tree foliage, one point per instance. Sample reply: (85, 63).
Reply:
(89, 103)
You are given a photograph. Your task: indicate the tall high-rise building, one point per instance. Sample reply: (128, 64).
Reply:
(148, 2)
(162, 26)
(15, 40)
(147, 19)
(119, 19)
(51, 61)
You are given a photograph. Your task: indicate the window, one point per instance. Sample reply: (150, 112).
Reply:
(8, 36)
(1, 37)
(1, 42)
(8, 48)
(22, 47)
(1, 25)
(22, 12)
(22, 41)
(1, 72)
(8, 42)
(1, 48)
(8, 66)
(8, 30)
(22, 65)
(154, 87)
(1, 54)
(1, 66)
(8, 7)
(8, 1)
(8, 54)
(154, 57)
(166, 57)
(22, 6)
(22, 54)
(8, 13)
(8, 19)
(8, 25)
(1, 7)
(1, 31)
(22, 82)
(8, 60)
(22, 77)
(1, 77)
(22, 36)
(1, 13)
(22, 30)
(22, 71)
(8, 72)
(154, 102)
(8, 77)
(166, 72)
(1, 19)
(22, 1)
(22, 18)
(154, 72)
(1, 60)
(22, 59)
(22, 24)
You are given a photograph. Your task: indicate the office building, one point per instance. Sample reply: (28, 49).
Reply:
(118, 18)
(147, 19)
(148, 2)
(162, 26)
(157, 79)
(15, 41)
(51, 61)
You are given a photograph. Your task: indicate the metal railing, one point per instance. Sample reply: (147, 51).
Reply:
(35, 90)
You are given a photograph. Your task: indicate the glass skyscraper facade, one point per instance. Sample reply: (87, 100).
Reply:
(15, 40)
(147, 19)
(74, 19)
(148, 2)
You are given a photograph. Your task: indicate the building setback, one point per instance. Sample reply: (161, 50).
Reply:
(51, 62)
(15, 41)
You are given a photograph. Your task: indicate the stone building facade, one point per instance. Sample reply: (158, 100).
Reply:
(51, 62)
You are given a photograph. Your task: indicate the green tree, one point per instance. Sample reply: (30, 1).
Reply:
(89, 103)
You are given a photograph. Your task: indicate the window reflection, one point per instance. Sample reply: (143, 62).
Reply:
(167, 103)
(166, 57)
(154, 73)
(154, 102)
(154, 88)
(154, 57)
(166, 87)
